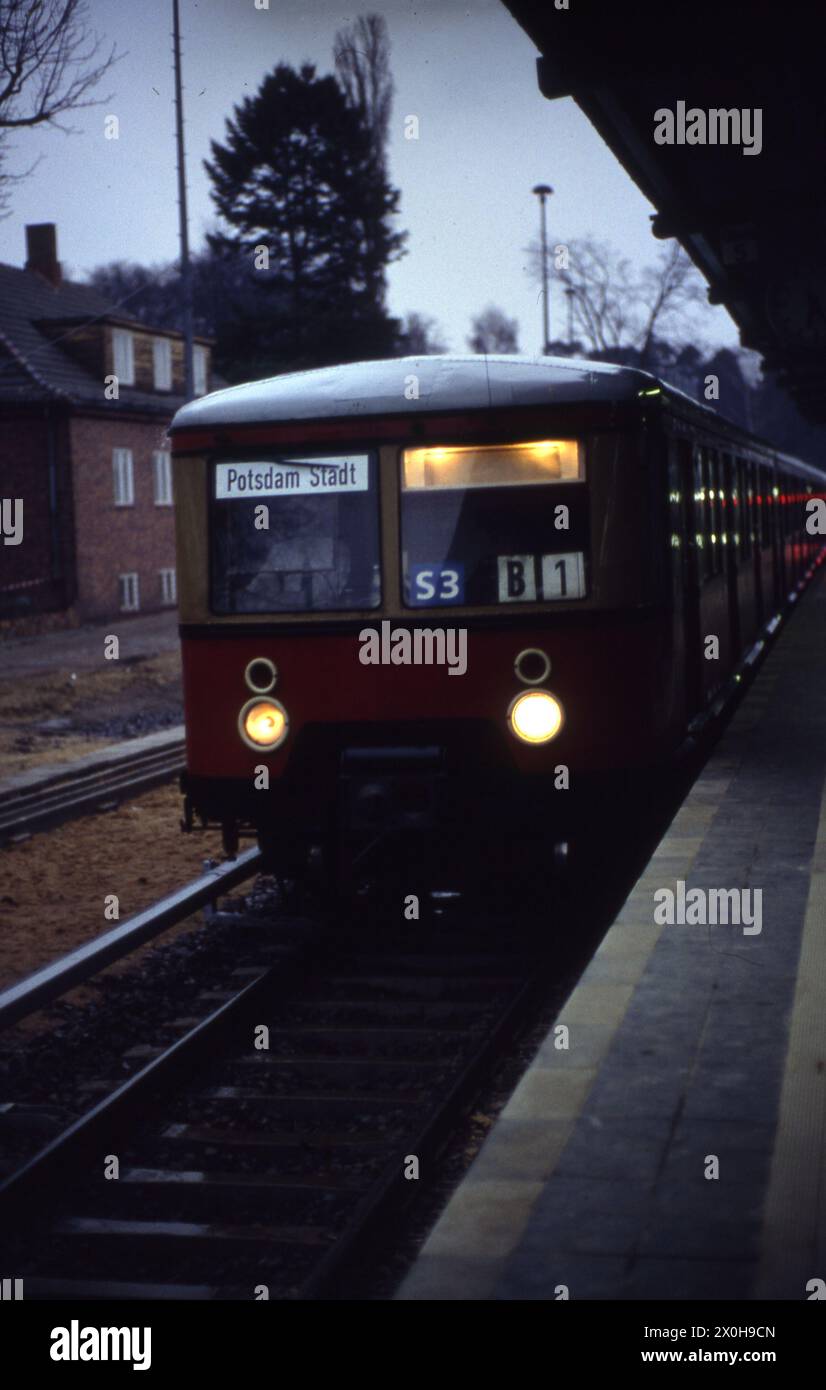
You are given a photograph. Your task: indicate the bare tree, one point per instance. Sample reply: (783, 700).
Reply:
(604, 293)
(669, 290)
(493, 331)
(615, 308)
(421, 336)
(50, 63)
(362, 60)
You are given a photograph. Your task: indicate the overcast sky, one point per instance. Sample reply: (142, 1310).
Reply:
(486, 137)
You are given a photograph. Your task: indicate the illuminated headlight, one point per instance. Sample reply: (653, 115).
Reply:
(263, 724)
(535, 717)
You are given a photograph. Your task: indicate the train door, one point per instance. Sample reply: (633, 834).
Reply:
(775, 537)
(714, 599)
(686, 462)
(755, 525)
(729, 538)
(768, 568)
(744, 544)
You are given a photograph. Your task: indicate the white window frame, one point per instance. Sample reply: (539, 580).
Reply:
(123, 356)
(200, 362)
(123, 471)
(162, 364)
(162, 476)
(169, 587)
(130, 592)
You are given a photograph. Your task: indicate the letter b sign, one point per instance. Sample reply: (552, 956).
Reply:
(517, 579)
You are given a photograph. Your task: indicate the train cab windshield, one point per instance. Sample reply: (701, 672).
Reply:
(494, 524)
(295, 535)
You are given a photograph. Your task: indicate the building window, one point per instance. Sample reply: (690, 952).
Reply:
(123, 471)
(199, 370)
(169, 587)
(162, 468)
(123, 351)
(162, 363)
(130, 600)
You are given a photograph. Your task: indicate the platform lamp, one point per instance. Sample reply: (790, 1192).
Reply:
(543, 191)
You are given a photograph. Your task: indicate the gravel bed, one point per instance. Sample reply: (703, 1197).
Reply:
(247, 1115)
(279, 1267)
(285, 1080)
(85, 1042)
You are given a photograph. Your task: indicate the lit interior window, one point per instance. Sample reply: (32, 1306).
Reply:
(498, 465)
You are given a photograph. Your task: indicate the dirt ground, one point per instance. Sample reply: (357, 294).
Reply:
(60, 699)
(52, 886)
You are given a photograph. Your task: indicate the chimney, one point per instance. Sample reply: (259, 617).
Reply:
(41, 251)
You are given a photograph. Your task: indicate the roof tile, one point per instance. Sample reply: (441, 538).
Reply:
(35, 368)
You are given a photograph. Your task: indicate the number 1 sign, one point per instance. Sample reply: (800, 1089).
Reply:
(532, 578)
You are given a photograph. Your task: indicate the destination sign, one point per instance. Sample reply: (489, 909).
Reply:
(292, 477)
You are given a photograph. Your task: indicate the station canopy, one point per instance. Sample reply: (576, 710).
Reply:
(753, 223)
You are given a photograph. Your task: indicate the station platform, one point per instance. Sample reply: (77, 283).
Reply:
(677, 1148)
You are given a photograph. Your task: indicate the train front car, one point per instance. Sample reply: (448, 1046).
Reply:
(423, 602)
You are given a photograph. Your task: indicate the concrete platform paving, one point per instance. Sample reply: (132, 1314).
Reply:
(686, 1044)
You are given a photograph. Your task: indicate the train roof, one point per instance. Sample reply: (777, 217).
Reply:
(444, 383)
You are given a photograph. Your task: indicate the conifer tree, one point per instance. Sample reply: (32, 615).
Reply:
(298, 174)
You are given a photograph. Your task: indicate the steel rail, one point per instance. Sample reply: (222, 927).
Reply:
(31, 993)
(131, 1099)
(61, 796)
(382, 1208)
(40, 1184)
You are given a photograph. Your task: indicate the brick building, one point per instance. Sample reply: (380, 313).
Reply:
(86, 394)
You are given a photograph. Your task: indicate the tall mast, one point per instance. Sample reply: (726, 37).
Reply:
(183, 221)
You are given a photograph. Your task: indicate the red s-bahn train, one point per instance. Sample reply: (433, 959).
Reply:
(463, 597)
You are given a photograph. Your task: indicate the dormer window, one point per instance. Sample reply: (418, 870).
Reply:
(199, 370)
(162, 363)
(123, 352)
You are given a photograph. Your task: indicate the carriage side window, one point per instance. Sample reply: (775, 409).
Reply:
(700, 495)
(742, 511)
(480, 524)
(791, 505)
(785, 501)
(715, 512)
(728, 511)
(802, 513)
(752, 506)
(675, 498)
(704, 485)
(766, 508)
(295, 534)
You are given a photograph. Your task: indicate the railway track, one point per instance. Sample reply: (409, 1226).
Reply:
(270, 1148)
(274, 1130)
(247, 1170)
(81, 790)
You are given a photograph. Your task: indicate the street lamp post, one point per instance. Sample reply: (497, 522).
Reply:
(570, 292)
(543, 191)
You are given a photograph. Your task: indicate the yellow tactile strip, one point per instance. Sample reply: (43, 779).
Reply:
(794, 1218)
